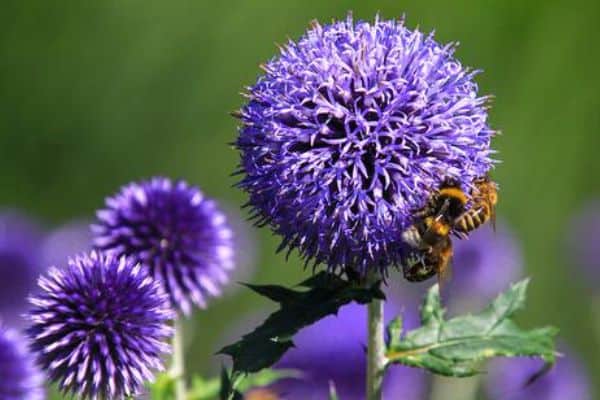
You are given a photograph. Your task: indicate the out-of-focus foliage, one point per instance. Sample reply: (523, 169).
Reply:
(212, 388)
(96, 94)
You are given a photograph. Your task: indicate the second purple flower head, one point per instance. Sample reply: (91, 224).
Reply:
(175, 232)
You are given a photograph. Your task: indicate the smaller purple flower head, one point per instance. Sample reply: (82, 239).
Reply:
(20, 378)
(583, 242)
(333, 350)
(507, 380)
(99, 326)
(20, 243)
(349, 130)
(484, 264)
(175, 232)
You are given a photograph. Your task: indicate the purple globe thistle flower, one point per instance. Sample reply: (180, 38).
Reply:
(484, 264)
(507, 380)
(20, 242)
(19, 377)
(348, 132)
(180, 236)
(333, 350)
(582, 241)
(73, 237)
(98, 327)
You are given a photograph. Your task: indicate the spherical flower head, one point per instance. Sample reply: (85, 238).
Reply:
(349, 130)
(507, 380)
(582, 240)
(333, 350)
(180, 236)
(20, 241)
(484, 264)
(99, 326)
(19, 377)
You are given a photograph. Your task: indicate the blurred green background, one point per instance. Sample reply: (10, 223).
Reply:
(95, 94)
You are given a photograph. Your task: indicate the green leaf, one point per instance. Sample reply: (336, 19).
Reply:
(325, 294)
(267, 377)
(394, 331)
(228, 389)
(455, 347)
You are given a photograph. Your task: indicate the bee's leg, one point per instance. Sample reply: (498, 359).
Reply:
(461, 235)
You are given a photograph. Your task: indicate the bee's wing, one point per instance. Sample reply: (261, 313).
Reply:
(412, 237)
(445, 275)
(493, 218)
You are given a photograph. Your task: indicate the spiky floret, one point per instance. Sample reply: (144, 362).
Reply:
(99, 326)
(180, 236)
(19, 376)
(349, 130)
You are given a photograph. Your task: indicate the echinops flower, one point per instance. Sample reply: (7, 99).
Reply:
(20, 250)
(180, 236)
(20, 378)
(351, 129)
(99, 326)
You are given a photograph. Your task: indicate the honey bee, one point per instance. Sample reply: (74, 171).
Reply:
(444, 214)
(429, 237)
(484, 198)
(435, 221)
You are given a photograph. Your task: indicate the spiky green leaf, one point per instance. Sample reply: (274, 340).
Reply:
(455, 347)
(325, 294)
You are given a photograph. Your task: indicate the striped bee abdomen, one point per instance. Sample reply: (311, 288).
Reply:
(472, 219)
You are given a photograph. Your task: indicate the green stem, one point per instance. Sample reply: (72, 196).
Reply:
(376, 350)
(178, 366)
